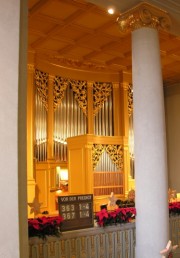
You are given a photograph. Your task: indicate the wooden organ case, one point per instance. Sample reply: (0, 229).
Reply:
(82, 126)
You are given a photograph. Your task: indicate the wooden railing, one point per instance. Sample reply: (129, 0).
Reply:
(111, 241)
(174, 233)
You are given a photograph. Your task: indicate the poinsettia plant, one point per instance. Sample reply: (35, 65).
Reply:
(174, 208)
(44, 226)
(117, 216)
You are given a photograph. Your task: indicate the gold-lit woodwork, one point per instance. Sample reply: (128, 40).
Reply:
(105, 117)
(144, 15)
(47, 185)
(82, 36)
(82, 78)
(30, 137)
(84, 153)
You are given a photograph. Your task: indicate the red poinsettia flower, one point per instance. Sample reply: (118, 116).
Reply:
(113, 214)
(34, 223)
(58, 219)
(119, 215)
(123, 211)
(44, 220)
(44, 226)
(174, 208)
(102, 214)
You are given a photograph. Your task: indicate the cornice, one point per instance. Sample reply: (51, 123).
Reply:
(170, 5)
(73, 63)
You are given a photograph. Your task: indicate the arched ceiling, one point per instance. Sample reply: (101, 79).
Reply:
(81, 35)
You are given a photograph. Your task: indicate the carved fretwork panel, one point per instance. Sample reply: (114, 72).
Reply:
(60, 85)
(130, 99)
(115, 153)
(101, 91)
(41, 84)
(97, 151)
(80, 92)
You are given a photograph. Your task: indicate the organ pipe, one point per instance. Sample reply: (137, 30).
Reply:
(70, 117)
(105, 163)
(103, 122)
(69, 120)
(40, 129)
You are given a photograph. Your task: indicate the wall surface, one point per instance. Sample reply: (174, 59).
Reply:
(10, 178)
(172, 106)
(9, 58)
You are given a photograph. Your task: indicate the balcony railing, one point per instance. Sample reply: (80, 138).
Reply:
(111, 241)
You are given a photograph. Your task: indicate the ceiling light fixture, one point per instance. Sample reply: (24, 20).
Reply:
(110, 10)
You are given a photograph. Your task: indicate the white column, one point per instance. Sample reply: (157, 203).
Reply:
(152, 220)
(150, 145)
(13, 182)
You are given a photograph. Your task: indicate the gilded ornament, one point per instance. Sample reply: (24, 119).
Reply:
(41, 84)
(97, 151)
(60, 85)
(73, 63)
(116, 154)
(130, 100)
(80, 91)
(144, 15)
(79, 88)
(101, 91)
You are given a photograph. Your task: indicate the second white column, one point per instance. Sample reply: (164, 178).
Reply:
(150, 145)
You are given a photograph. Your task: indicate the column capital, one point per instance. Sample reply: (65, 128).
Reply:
(90, 84)
(144, 15)
(30, 67)
(124, 85)
(115, 85)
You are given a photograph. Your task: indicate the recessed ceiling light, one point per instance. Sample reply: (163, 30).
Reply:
(111, 11)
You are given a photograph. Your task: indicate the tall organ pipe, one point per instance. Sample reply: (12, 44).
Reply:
(70, 121)
(40, 129)
(103, 122)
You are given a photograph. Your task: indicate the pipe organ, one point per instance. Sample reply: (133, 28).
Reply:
(108, 171)
(85, 134)
(70, 112)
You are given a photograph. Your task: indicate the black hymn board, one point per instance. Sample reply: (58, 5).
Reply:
(77, 211)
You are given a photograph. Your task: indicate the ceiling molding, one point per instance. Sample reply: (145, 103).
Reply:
(81, 35)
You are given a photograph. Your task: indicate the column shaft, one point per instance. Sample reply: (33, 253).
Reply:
(150, 145)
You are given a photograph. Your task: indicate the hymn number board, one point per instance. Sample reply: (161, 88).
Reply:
(77, 211)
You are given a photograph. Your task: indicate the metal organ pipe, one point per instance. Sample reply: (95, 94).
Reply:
(70, 121)
(110, 112)
(40, 129)
(105, 163)
(103, 121)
